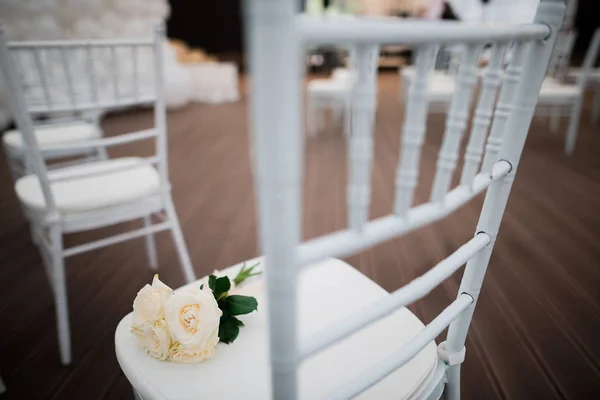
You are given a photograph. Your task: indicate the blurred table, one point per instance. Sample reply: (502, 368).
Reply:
(214, 82)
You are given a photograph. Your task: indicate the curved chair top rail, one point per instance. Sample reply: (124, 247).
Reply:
(79, 43)
(332, 30)
(80, 75)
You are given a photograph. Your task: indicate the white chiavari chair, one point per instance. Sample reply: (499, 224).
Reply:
(95, 194)
(324, 330)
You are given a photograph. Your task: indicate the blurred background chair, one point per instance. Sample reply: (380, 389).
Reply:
(559, 98)
(38, 78)
(333, 93)
(95, 194)
(315, 301)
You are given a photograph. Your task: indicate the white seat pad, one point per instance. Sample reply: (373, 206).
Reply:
(93, 192)
(54, 134)
(329, 86)
(552, 88)
(328, 292)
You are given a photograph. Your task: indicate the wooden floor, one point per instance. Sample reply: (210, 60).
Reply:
(536, 332)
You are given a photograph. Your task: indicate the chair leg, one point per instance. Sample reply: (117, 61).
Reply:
(452, 391)
(60, 295)
(136, 395)
(2, 386)
(101, 154)
(573, 129)
(150, 245)
(182, 252)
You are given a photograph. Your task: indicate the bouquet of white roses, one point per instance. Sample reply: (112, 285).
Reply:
(185, 326)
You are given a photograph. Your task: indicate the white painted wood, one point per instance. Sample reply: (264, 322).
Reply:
(147, 230)
(483, 114)
(361, 140)
(456, 123)
(275, 64)
(413, 132)
(517, 126)
(54, 202)
(150, 245)
(504, 107)
(388, 31)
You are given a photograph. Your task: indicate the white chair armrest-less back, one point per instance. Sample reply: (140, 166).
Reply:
(276, 35)
(61, 93)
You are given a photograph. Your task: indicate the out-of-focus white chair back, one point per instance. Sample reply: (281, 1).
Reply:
(96, 194)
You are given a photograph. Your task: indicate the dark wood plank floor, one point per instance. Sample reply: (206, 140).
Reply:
(536, 329)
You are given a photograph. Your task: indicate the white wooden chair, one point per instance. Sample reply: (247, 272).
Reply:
(323, 330)
(40, 86)
(334, 93)
(559, 98)
(95, 194)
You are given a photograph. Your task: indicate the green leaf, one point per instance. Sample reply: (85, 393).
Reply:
(245, 273)
(239, 305)
(202, 286)
(222, 285)
(228, 329)
(211, 282)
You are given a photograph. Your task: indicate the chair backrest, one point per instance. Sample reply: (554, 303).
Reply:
(53, 81)
(276, 35)
(591, 57)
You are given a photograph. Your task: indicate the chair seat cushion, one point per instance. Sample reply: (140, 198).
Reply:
(328, 292)
(555, 89)
(54, 134)
(329, 86)
(95, 191)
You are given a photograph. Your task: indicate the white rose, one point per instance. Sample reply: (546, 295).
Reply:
(196, 354)
(155, 339)
(193, 316)
(149, 304)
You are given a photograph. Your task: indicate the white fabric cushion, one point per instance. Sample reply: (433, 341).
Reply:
(552, 89)
(96, 191)
(54, 134)
(329, 86)
(328, 292)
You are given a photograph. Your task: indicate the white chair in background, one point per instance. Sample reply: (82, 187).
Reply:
(559, 98)
(324, 330)
(335, 94)
(2, 386)
(561, 55)
(95, 194)
(37, 82)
